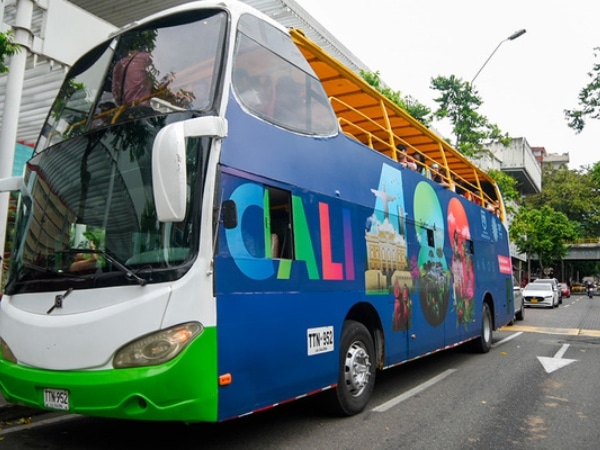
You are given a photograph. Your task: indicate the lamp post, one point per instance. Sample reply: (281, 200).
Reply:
(512, 37)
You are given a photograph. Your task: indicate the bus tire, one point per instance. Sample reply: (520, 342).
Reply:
(356, 377)
(483, 343)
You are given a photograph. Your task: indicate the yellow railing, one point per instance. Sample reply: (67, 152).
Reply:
(388, 147)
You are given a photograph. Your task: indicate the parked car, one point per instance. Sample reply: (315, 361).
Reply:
(554, 283)
(565, 289)
(540, 294)
(518, 301)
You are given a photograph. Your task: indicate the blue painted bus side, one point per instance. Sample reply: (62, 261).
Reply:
(345, 197)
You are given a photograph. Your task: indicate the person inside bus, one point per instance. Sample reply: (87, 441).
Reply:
(422, 168)
(84, 262)
(437, 176)
(131, 80)
(403, 158)
(494, 207)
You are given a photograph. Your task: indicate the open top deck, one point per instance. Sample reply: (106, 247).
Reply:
(369, 117)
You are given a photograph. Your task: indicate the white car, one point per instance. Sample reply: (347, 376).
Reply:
(540, 294)
(555, 285)
(518, 301)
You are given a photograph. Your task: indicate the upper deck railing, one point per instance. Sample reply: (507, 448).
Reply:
(372, 119)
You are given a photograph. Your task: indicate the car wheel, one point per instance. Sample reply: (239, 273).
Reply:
(520, 314)
(357, 366)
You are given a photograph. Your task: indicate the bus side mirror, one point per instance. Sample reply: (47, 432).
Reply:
(169, 171)
(229, 214)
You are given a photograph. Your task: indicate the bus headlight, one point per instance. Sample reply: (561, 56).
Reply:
(157, 348)
(7, 353)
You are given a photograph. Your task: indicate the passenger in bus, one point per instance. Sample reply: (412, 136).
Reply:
(84, 262)
(437, 176)
(422, 168)
(404, 159)
(494, 207)
(131, 80)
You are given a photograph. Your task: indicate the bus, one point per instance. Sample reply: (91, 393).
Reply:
(217, 219)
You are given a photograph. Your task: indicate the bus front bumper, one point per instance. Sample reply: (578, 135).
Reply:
(184, 389)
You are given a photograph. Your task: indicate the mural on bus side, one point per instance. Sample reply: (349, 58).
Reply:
(463, 275)
(422, 275)
(385, 234)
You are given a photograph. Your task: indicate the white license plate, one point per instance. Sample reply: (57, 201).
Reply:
(56, 399)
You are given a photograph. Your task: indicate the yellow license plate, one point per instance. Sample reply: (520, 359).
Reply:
(534, 300)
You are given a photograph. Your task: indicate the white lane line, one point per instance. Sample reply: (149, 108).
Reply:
(506, 339)
(412, 392)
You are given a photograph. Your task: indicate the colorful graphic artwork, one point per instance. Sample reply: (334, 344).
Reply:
(433, 283)
(463, 276)
(385, 236)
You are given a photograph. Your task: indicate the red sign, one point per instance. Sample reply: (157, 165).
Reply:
(504, 264)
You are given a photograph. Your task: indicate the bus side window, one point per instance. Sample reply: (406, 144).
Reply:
(280, 219)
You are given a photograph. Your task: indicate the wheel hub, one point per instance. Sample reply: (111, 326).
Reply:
(357, 369)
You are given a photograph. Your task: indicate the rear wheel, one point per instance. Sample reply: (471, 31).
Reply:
(356, 377)
(483, 343)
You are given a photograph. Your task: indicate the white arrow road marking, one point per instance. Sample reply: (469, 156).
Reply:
(556, 362)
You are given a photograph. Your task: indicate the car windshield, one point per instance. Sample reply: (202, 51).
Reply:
(538, 287)
(550, 282)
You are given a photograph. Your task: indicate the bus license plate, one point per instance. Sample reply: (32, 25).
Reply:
(56, 399)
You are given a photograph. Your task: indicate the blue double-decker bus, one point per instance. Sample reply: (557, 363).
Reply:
(219, 218)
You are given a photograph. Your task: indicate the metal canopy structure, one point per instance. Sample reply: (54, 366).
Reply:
(367, 116)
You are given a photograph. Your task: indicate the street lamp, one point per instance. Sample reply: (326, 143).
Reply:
(512, 37)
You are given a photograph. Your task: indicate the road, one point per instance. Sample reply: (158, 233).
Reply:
(538, 388)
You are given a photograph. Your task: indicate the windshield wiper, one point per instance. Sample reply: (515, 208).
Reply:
(129, 274)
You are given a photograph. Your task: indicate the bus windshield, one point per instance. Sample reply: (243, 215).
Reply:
(88, 212)
(158, 69)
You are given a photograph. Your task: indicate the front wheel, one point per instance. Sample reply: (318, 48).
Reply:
(483, 343)
(356, 377)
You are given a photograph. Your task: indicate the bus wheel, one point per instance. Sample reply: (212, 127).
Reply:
(356, 377)
(483, 343)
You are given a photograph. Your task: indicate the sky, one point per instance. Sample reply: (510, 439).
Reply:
(526, 85)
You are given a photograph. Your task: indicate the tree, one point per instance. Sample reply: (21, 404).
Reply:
(573, 193)
(459, 103)
(542, 232)
(506, 184)
(417, 110)
(7, 48)
(589, 100)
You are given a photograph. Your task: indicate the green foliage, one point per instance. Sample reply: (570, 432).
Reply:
(507, 186)
(417, 110)
(7, 48)
(588, 99)
(542, 232)
(459, 103)
(573, 193)
(595, 175)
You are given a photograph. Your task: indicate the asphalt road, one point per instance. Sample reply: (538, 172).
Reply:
(538, 388)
